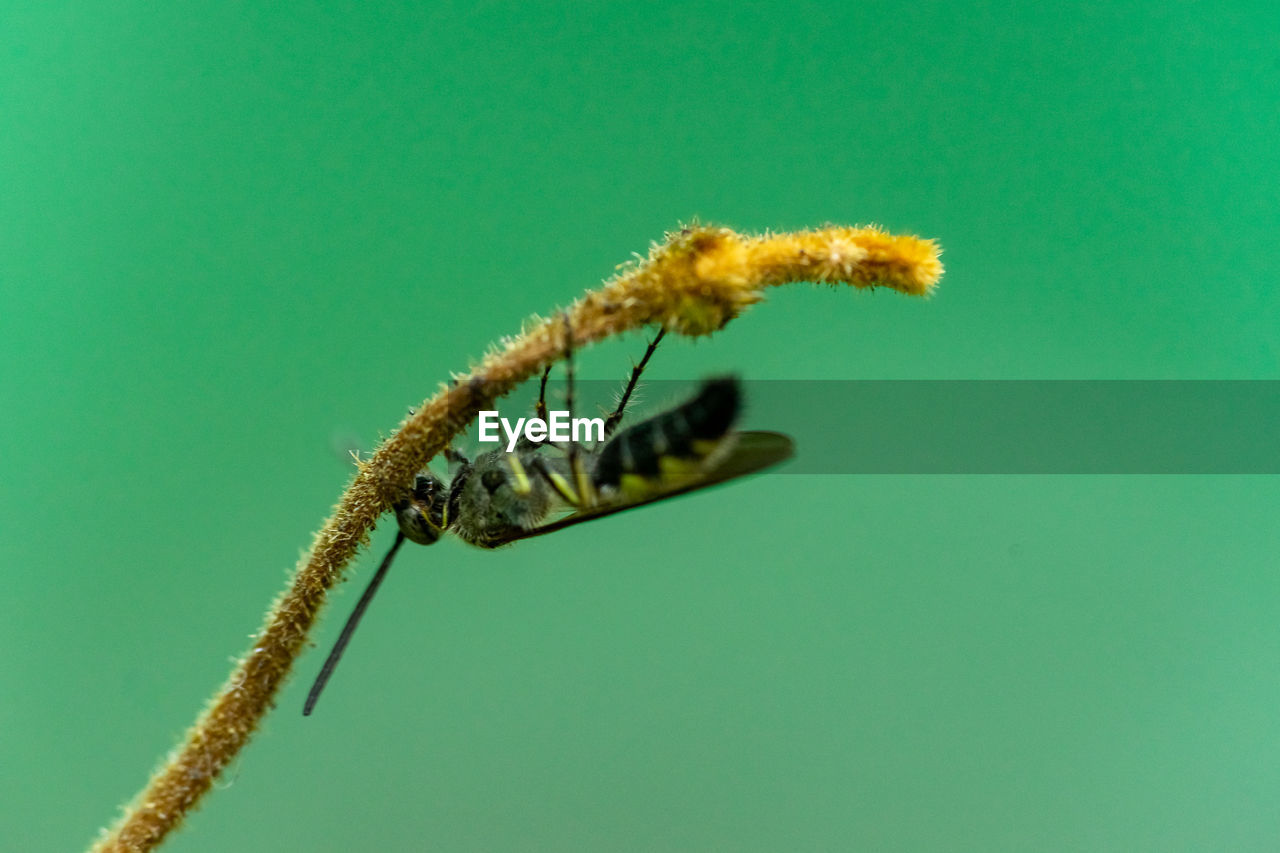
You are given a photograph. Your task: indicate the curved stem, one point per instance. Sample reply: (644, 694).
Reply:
(693, 284)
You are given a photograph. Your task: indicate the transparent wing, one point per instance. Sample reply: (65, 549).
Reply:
(751, 453)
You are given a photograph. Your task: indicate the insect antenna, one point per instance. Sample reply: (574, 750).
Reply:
(350, 628)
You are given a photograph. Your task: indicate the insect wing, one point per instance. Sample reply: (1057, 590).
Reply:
(751, 453)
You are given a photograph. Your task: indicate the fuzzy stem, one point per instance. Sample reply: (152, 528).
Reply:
(694, 283)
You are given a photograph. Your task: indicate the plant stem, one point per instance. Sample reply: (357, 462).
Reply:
(693, 284)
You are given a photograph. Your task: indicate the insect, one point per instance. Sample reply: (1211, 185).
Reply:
(503, 497)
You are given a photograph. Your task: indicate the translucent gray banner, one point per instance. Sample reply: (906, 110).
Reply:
(996, 427)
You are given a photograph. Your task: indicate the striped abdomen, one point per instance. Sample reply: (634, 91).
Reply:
(675, 443)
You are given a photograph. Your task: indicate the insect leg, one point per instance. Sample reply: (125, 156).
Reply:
(616, 418)
(577, 470)
(557, 481)
(539, 411)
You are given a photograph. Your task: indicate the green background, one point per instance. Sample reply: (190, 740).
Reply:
(235, 238)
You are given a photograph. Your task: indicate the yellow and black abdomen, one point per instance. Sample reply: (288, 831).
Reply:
(677, 443)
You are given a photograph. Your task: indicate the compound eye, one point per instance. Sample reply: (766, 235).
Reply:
(491, 480)
(422, 516)
(416, 524)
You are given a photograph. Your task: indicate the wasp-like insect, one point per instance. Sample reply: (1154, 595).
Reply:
(503, 497)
